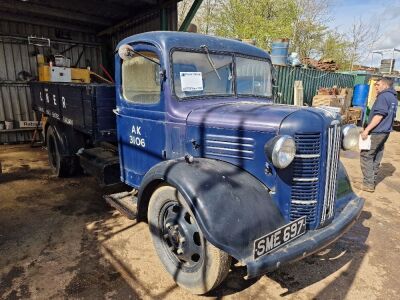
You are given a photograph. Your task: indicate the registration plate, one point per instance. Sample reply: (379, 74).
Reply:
(279, 237)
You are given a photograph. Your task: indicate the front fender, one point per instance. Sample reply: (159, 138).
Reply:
(344, 191)
(231, 206)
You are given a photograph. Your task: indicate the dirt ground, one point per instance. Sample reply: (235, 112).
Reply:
(59, 239)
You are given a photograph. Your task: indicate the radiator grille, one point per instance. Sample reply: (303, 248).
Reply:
(308, 143)
(332, 162)
(305, 183)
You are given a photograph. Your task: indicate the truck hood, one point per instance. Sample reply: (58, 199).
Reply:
(244, 115)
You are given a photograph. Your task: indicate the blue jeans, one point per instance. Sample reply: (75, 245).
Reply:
(371, 159)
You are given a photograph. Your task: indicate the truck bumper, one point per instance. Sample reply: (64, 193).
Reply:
(309, 243)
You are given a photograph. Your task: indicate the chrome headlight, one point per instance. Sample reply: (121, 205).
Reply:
(281, 150)
(350, 136)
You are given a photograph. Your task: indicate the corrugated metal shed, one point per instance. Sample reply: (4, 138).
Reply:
(85, 31)
(312, 81)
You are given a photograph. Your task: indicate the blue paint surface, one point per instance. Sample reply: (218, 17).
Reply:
(231, 129)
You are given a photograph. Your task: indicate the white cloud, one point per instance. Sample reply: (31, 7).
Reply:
(391, 12)
(371, 12)
(389, 35)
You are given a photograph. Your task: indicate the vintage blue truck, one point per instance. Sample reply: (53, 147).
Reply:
(218, 170)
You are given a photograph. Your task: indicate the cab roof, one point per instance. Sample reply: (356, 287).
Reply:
(167, 40)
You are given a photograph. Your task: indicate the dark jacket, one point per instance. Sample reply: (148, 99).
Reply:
(386, 106)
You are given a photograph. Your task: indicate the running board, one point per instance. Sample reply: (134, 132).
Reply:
(124, 202)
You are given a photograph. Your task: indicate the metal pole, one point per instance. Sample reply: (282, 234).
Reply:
(189, 17)
(392, 63)
(164, 21)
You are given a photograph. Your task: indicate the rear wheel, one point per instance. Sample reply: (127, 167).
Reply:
(194, 263)
(59, 165)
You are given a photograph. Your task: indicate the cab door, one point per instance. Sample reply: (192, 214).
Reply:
(140, 113)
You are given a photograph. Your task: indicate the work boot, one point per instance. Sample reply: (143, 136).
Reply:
(363, 187)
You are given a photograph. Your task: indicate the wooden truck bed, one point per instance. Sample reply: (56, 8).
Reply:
(88, 108)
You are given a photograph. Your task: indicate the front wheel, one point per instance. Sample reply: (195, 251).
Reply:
(194, 263)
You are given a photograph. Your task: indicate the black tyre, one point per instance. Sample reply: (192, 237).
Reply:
(194, 263)
(59, 165)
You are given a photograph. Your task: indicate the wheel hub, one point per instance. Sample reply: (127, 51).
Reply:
(182, 236)
(174, 235)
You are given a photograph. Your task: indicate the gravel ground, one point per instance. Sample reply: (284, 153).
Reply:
(59, 239)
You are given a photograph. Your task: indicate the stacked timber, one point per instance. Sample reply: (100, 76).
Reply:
(328, 65)
(334, 97)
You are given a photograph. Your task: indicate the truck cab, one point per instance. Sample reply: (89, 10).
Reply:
(218, 170)
(221, 170)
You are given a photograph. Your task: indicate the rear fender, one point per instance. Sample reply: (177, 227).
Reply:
(61, 139)
(69, 141)
(231, 206)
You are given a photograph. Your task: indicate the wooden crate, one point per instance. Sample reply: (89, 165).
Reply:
(353, 115)
(329, 100)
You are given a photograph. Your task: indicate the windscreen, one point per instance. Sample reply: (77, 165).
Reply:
(253, 77)
(201, 74)
(205, 74)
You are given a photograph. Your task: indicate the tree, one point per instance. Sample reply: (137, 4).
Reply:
(183, 9)
(205, 17)
(362, 37)
(336, 47)
(302, 21)
(309, 27)
(262, 20)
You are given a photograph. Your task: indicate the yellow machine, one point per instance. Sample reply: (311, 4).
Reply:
(66, 74)
(44, 73)
(77, 74)
(80, 75)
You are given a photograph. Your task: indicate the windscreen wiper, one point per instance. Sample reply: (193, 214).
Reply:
(146, 57)
(210, 60)
(129, 52)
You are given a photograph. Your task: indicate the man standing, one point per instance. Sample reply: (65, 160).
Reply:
(380, 125)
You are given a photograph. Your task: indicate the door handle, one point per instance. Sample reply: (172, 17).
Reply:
(116, 111)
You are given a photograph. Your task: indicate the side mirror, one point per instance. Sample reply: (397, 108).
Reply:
(163, 77)
(274, 75)
(162, 74)
(275, 94)
(125, 52)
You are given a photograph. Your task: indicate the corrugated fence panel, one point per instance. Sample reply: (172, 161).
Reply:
(149, 22)
(15, 105)
(15, 102)
(18, 58)
(312, 81)
(14, 137)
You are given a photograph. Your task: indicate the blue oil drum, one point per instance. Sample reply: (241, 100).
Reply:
(279, 52)
(360, 95)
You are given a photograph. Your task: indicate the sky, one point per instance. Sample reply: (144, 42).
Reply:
(386, 13)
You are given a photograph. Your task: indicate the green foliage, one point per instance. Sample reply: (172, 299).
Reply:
(302, 21)
(262, 20)
(307, 37)
(336, 47)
